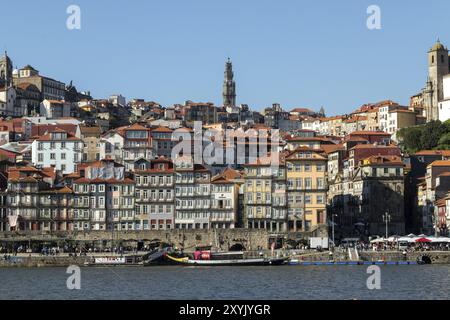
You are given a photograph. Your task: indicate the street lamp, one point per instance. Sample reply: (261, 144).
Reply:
(332, 226)
(387, 219)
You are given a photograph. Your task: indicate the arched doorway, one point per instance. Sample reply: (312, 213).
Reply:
(237, 247)
(426, 259)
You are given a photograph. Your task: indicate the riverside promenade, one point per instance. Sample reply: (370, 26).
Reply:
(65, 259)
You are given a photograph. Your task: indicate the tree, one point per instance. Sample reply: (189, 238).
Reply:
(431, 134)
(411, 138)
(444, 142)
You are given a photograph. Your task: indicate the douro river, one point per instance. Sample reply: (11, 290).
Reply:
(176, 282)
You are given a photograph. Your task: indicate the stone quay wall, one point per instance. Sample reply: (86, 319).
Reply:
(44, 261)
(250, 239)
(436, 257)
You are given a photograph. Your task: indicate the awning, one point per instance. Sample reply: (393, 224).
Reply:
(378, 240)
(423, 240)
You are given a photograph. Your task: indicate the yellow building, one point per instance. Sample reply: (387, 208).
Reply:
(265, 196)
(306, 172)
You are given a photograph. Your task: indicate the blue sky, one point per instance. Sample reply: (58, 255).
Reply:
(296, 53)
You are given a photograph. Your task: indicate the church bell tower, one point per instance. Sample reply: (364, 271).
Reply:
(229, 86)
(6, 68)
(438, 67)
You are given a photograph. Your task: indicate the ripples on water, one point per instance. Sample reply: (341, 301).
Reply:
(175, 282)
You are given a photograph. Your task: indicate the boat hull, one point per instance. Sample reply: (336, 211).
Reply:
(227, 262)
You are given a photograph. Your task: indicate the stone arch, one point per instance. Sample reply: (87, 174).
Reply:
(426, 259)
(237, 247)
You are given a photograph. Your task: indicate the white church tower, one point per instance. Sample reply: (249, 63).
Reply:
(438, 67)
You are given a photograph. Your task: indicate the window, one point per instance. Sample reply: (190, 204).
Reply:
(63, 156)
(319, 199)
(307, 199)
(308, 183)
(40, 157)
(52, 156)
(290, 183)
(63, 167)
(307, 167)
(320, 183)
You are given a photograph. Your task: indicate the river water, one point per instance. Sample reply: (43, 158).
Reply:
(274, 282)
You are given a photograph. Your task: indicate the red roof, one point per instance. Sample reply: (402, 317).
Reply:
(38, 130)
(111, 181)
(371, 133)
(135, 126)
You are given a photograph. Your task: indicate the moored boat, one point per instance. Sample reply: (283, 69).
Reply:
(224, 259)
(113, 261)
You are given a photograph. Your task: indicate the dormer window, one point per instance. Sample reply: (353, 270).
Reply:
(59, 135)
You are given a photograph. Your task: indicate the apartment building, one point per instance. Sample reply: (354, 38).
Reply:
(162, 141)
(224, 199)
(32, 202)
(306, 174)
(103, 197)
(54, 109)
(111, 146)
(137, 145)
(377, 189)
(59, 149)
(155, 197)
(261, 182)
(192, 195)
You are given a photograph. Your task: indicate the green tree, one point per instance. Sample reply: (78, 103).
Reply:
(411, 138)
(431, 134)
(444, 142)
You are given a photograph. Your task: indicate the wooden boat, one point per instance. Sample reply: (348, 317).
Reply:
(226, 259)
(156, 257)
(114, 261)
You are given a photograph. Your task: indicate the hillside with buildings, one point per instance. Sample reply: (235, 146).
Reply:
(73, 162)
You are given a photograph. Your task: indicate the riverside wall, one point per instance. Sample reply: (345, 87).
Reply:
(436, 257)
(250, 239)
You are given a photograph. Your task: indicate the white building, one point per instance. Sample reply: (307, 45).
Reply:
(7, 103)
(224, 199)
(444, 106)
(311, 124)
(54, 109)
(111, 146)
(117, 100)
(58, 149)
(44, 120)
